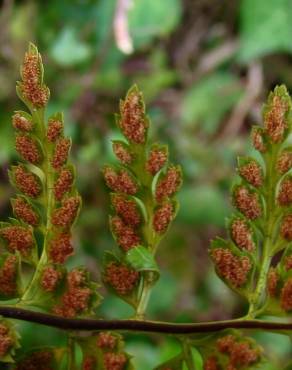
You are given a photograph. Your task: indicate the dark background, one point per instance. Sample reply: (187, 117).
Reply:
(205, 68)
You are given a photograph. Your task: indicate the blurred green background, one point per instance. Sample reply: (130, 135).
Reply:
(205, 67)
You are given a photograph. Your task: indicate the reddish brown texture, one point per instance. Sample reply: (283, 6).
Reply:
(114, 361)
(42, 360)
(288, 263)
(127, 209)
(247, 203)
(286, 228)
(156, 160)
(285, 192)
(284, 163)
(18, 238)
(168, 184)
(252, 173)
(6, 341)
(63, 184)
(27, 182)
(125, 234)
(132, 121)
(106, 340)
(76, 298)
(258, 140)
(122, 153)
(286, 295)
(274, 119)
(121, 278)
(232, 268)
(61, 153)
(28, 149)
(241, 235)
(272, 282)
(21, 123)
(89, 363)
(8, 275)
(120, 182)
(60, 248)
(31, 86)
(54, 130)
(24, 211)
(65, 215)
(162, 218)
(50, 278)
(211, 363)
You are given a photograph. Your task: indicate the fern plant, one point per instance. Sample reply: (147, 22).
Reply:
(35, 284)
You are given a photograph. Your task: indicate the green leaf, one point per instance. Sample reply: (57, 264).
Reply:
(207, 102)
(265, 28)
(147, 19)
(68, 50)
(141, 259)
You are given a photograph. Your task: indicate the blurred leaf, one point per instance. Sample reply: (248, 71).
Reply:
(68, 50)
(203, 205)
(209, 100)
(265, 28)
(141, 259)
(147, 19)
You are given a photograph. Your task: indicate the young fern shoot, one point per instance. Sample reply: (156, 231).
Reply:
(143, 186)
(262, 227)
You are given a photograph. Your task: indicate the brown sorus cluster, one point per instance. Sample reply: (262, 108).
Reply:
(258, 139)
(252, 173)
(285, 192)
(27, 182)
(121, 278)
(240, 354)
(272, 282)
(127, 209)
(63, 183)
(21, 123)
(31, 86)
(18, 238)
(288, 262)
(232, 268)
(241, 235)
(122, 153)
(6, 341)
(76, 298)
(89, 363)
(247, 203)
(286, 228)
(42, 360)
(162, 218)
(24, 211)
(168, 184)
(50, 278)
(120, 181)
(132, 121)
(65, 215)
(274, 119)
(8, 273)
(106, 340)
(114, 361)
(286, 295)
(156, 160)
(211, 363)
(126, 236)
(28, 149)
(55, 128)
(60, 248)
(61, 153)
(284, 163)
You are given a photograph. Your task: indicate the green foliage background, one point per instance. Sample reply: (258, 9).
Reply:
(205, 67)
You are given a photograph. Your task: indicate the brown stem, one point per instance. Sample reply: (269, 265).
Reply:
(137, 325)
